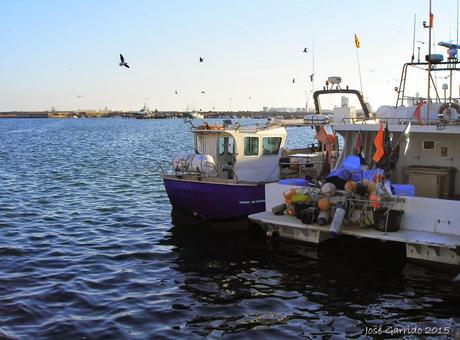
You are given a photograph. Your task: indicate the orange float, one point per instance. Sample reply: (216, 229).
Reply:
(324, 204)
(374, 200)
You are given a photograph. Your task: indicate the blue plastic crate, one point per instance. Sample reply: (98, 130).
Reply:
(403, 189)
(369, 174)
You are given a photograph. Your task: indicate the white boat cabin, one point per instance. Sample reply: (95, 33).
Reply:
(248, 153)
(429, 159)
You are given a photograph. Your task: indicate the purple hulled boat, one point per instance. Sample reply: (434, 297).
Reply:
(214, 200)
(224, 178)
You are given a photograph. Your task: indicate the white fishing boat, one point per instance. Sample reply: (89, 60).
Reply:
(396, 178)
(224, 177)
(195, 115)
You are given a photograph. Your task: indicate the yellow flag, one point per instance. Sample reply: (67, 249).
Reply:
(358, 45)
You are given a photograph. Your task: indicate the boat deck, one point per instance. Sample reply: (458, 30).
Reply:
(419, 244)
(411, 236)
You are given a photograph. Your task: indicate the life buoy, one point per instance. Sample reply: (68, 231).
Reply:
(445, 111)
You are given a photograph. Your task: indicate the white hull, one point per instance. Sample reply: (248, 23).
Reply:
(430, 230)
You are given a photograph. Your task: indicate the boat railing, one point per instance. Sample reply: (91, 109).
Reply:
(249, 128)
(160, 166)
(186, 169)
(364, 120)
(400, 121)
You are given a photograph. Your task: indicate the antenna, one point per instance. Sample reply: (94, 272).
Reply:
(429, 68)
(413, 40)
(313, 71)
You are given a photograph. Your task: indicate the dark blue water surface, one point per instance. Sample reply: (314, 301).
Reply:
(88, 249)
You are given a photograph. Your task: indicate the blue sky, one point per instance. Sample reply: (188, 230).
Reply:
(54, 51)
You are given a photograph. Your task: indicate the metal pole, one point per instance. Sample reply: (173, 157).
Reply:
(313, 72)
(429, 71)
(413, 41)
(359, 71)
(454, 65)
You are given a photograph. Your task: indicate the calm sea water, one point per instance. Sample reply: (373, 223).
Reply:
(88, 249)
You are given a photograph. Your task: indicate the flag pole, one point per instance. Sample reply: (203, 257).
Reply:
(429, 67)
(359, 71)
(358, 45)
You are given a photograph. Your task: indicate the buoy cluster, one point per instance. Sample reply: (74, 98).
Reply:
(324, 204)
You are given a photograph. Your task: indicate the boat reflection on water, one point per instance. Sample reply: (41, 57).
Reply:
(242, 282)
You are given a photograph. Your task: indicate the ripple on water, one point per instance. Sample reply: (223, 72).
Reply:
(87, 250)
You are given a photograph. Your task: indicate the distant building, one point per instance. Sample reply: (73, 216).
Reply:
(285, 109)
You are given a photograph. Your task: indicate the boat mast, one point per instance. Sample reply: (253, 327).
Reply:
(453, 66)
(429, 67)
(413, 41)
(313, 66)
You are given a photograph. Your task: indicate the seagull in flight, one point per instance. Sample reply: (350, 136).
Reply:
(123, 62)
(203, 92)
(305, 50)
(201, 59)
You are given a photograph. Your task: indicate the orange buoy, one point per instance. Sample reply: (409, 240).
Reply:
(324, 204)
(374, 200)
(289, 194)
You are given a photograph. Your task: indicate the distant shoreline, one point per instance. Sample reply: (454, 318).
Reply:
(150, 115)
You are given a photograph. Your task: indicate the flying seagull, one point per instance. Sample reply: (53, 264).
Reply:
(123, 62)
(305, 50)
(203, 92)
(201, 59)
(293, 80)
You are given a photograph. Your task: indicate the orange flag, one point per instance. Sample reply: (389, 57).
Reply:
(321, 135)
(378, 142)
(417, 112)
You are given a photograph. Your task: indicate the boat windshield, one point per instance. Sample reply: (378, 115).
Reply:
(330, 102)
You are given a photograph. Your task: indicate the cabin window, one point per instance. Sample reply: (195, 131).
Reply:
(429, 145)
(200, 144)
(225, 145)
(271, 145)
(231, 146)
(251, 146)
